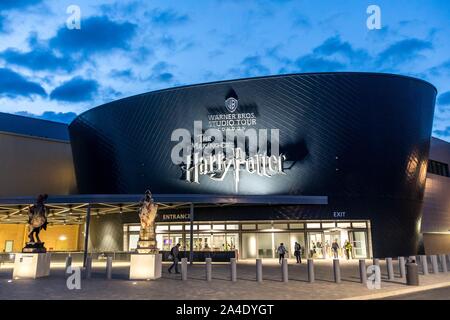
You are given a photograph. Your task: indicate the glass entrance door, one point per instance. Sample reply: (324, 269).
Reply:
(266, 245)
(331, 236)
(315, 244)
(284, 239)
(249, 245)
(359, 240)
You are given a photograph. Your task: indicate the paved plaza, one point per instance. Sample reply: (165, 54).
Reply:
(170, 286)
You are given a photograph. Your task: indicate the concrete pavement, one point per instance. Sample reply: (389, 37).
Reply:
(170, 286)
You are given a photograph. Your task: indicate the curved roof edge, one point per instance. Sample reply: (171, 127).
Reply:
(260, 77)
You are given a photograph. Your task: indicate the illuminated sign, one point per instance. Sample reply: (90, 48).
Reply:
(175, 216)
(230, 144)
(218, 166)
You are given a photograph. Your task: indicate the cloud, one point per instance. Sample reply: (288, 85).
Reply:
(167, 17)
(274, 53)
(161, 72)
(332, 55)
(441, 69)
(126, 73)
(65, 117)
(301, 22)
(444, 99)
(121, 8)
(312, 63)
(251, 66)
(380, 35)
(443, 133)
(341, 49)
(12, 84)
(2, 23)
(75, 90)
(174, 45)
(402, 51)
(109, 94)
(17, 4)
(38, 59)
(97, 34)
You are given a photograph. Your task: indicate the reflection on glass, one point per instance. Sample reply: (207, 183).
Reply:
(266, 245)
(359, 244)
(284, 239)
(315, 243)
(280, 226)
(248, 245)
(133, 241)
(300, 238)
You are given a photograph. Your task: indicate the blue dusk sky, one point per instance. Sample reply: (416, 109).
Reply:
(130, 47)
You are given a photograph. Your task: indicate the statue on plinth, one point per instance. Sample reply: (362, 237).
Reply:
(37, 220)
(147, 215)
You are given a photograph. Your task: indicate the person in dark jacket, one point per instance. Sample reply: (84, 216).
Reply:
(335, 248)
(298, 252)
(175, 252)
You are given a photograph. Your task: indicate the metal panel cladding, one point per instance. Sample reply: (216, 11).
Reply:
(362, 139)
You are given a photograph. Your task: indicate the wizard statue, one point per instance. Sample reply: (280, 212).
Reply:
(37, 220)
(147, 215)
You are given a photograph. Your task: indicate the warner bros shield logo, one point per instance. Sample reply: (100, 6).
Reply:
(231, 104)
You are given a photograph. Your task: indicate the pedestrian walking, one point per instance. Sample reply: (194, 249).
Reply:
(281, 252)
(348, 249)
(298, 252)
(335, 247)
(175, 255)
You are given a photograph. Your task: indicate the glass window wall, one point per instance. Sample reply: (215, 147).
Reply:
(263, 238)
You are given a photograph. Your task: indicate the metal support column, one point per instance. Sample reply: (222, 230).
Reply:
(86, 234)
(191, 231)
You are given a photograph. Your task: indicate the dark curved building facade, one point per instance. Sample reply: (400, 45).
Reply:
(361, 139)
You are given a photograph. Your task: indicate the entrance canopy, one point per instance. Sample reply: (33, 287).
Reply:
(71, 209)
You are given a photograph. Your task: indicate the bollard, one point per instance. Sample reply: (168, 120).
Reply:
(109, 268)
(284, 270)
(88, 267)
(434, 264)
(412, 273)
(376, 262)
(424, 262)
(401, 266)
(448, 261)
(311, 270)
(362, 271)
(336, 271)
(259, 276)
(390, 268)
(233, 269)
(443, 263)
(208, 269)
(68, 263)
(184, 269)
